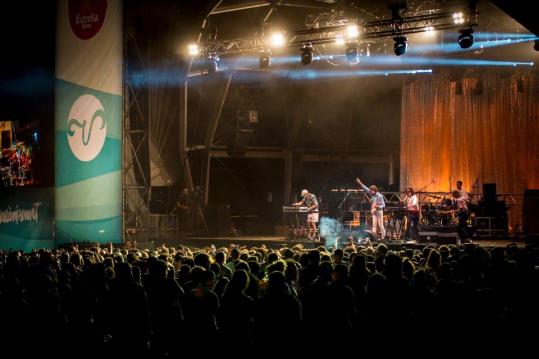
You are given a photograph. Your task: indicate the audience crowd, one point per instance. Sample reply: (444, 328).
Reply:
(159, 302)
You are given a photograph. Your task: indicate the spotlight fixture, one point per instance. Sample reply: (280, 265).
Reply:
(211, 64)
(400, 45)
(352, 53)
(458, 18)
(277, 39)
(264, 61)
(352, 31)
(307, 54)
(429, 31)
(465, 38)
(193, 49)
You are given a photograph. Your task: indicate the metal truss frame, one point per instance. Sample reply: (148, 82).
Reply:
(328, 26)
(135, 154)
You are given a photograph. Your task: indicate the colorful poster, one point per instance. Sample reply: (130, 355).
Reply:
(88, 125)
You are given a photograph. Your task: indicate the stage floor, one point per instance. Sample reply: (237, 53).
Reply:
(282, 241)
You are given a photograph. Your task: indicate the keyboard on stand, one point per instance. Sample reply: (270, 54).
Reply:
(296, 219)
(294, 209)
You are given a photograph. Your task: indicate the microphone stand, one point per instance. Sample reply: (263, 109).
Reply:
(344, 199)
(424, 187)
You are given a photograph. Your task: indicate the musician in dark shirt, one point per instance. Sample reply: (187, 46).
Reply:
(184, 208)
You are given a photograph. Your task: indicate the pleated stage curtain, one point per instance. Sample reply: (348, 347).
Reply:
(484, 127)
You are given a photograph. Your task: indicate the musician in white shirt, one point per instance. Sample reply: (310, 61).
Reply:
(309, 200)
(377, 208)
(412, 214)
(463, 193)
(461, 207)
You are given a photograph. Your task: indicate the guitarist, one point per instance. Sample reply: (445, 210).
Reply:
(377, 208)
(412, 214)
(461, 208)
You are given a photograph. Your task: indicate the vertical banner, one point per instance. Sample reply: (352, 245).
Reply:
(88, 121)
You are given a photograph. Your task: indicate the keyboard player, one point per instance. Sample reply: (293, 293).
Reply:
(309, 200)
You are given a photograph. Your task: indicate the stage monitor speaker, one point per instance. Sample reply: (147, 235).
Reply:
(489, 191)
(447, 238)
(438, 237)
(372, 236)
(530, 210)
(428, 237)
(218, 220)
(160, 201)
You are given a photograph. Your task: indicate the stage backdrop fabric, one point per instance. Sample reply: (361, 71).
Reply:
(478, 128)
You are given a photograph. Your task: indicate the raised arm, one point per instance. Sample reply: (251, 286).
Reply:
(365, 188)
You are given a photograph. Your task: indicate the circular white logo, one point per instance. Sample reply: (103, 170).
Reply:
(86, 127)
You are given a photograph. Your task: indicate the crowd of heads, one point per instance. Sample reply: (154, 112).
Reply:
(158, 301)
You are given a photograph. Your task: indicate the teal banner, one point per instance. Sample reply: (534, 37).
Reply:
(88, 155)
(26, 218)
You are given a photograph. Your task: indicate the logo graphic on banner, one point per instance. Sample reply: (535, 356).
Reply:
(86, 128)
(86, 17)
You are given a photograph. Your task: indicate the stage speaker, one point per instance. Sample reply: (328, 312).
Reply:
(217, 218)
(489, 191)
(239, 144)
(160, 201)
(530, 210)
(495, 209)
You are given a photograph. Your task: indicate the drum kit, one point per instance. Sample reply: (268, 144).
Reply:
(439, 213)
(15, 165)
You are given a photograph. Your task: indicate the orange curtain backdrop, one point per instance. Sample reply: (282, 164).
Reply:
(482, 126)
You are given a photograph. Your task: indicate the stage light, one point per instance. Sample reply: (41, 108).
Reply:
(264, 61)
(306, 54)
(458, 18)
(352, 54)
(193, 50)
(211, 64)
(277, 39)
(339, 40)
(400, 45)
(352, 31)
(465, 38)
(429, 31)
